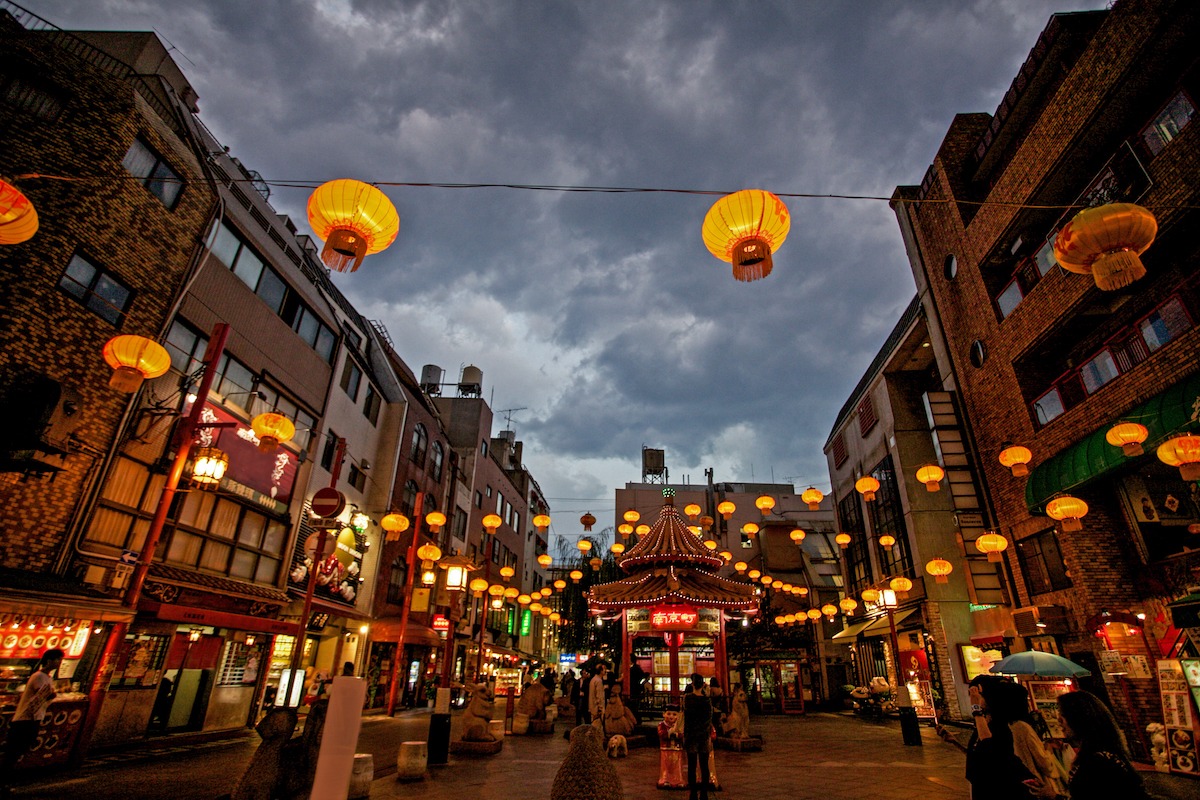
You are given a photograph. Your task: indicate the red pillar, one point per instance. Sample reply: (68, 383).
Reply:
(627, 651)
(673, 642)
(721, 654)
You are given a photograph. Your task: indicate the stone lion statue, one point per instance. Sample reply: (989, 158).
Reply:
(737, 721)
(534, 701)
(618, 720)
(478, 714)
(586, 772)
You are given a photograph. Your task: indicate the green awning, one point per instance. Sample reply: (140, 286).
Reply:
(1173, 411)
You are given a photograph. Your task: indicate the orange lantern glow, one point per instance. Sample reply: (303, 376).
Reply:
(754, 574)
(428, 553)
(208, 467)
(1068, 510)
(813, 614)
(750, 528)
(887, 540)
(766, 580)
(1016, 458)
(584, 545)
(725, 508)
(1105, 242)
(18, 217)
(1128, 436)
(544, 560)
(765, 503)
(711, 544)
(617, 548)
(706, 522)
(134, 359)
(901, 586)
(272, 430)
(797, 535)
(560, 584)
(642, 530)
(507, 572)
(813, 497)
(726, 556)
(692, 510)
(587, 521)
(595, 563)
(993, 544)
(740, 566)
(624, 529)
(939, 568)
(631, 516)
(867, 486)
(393, 525)
(534, 605)
(541, 522)
(354, 219)
(848, 605)
(871, 595)
(931, 475)
(1182, 452)
(479, 586)
(435, 520)
(801, 590)
(843, 540)
(744, 229)
(576, 575)
(829, 610)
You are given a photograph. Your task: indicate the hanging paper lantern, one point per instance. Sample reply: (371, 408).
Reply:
(393, 525)
(931, 475)
(617, 548)
(134, 359)
(726, 556)
(208, 467)
(706, 522)
(560, 584)
(544, 560)
(692, 510)
(900, 585)
(435, 520)
(797, 535)
(354, 219)
(429, 553)
(506, 571)
(843, 540)
(744, 229)
(871, 595)
(584, 545)
(547, 591)
(801, 590)
(766, 580)
(813, 497)
(829, 610)
(576, 575)
(1182, 452)
(867, 486)
(754, 574)
(887, 540)
(750, 528)
(1128, 436)
(993, 544)
(479, 586)
(726, 508)
(524, 599)
(848, 605)
(631, 516)
(1016, 457)
(642, 530)
(541, 522)
(272, 430)
(587, 520)
(813, 614)
(18, 217)
(1105, 242)
(1068, 510)
(625, 529)
(939, 568)
(764, 504)
(711, 544)
(595, 563)
(534, 605)
(740, 566)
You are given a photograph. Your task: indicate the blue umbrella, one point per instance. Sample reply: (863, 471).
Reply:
(1039, 664)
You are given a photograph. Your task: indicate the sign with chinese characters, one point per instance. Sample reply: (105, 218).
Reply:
(1177, 711)
(19, 640)
(265, 479)
(673, 618)
(440, 623)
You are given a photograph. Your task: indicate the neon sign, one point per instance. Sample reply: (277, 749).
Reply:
(673, 618)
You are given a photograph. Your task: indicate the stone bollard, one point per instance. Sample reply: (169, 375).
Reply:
(520, 724)
(551, 714)
(362, 775)
(411, 761)
(496, 729)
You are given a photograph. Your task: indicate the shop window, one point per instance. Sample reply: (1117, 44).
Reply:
(357, 478)
(1167, 125)
(240, 665)
(153, 172)
(1042, 563)
(140, 660)
(97, 290)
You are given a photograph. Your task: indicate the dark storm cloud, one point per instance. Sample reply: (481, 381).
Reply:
(603, 313)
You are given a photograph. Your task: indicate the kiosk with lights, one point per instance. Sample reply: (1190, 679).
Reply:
(671, 603)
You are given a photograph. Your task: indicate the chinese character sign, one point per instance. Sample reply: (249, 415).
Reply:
(673, 618)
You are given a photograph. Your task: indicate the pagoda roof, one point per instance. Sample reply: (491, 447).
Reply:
(670, 542)
(673, 584)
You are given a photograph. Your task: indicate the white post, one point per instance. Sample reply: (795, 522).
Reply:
(335, 762)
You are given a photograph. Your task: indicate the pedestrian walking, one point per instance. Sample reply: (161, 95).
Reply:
(1101, 769)
(31, 710)
(597, 697)
(697, 737)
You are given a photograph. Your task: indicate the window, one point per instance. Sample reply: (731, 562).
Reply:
(1164, 324)
(408, 501)
(1044, 259)
(329, 452)
(483, 447)
(1099, 370)
(487, 491)
(1009, 298)
(357, 478)
(371, 407)
(887, 516)
(478, 499)
(97, 290)
(866, 415)
(1042, 564)
(146, 165)
(351, 378)
(458, 527)
(420, 444)
(23, 95)
(858, 560)
(1167, 125)
(950, 267)
(397, 579)
(438, 459)
(1048, 406)
(977, 354)
(839, 450)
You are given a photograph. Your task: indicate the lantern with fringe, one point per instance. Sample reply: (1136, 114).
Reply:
(745, 229)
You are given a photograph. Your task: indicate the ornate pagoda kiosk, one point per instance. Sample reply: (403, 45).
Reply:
(673, 594)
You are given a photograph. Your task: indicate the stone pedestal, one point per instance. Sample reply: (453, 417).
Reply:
(461, 748)
(411, 761)
(520, 724)
(541, 726)
(496, 729)
(361, 775)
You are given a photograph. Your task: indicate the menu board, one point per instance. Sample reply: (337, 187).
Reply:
(1177, 711)
(1045, 700)
(508, 679)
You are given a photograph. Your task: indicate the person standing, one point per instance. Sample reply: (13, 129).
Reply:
(994, 770)
(637, 686)
(596, 697)
(697, 736)
(1101, 769)
(31, 710)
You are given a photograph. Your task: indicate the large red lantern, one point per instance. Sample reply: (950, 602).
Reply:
(1105, 242)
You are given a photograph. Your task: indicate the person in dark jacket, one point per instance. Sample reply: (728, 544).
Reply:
(697, 736)
(1101, 769)
(993, 768)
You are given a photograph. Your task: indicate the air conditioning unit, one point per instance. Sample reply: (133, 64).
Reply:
(1041, 620)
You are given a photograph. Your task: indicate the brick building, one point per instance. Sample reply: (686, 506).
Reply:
(1101, 111)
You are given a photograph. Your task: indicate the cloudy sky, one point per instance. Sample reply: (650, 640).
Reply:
(602, 314)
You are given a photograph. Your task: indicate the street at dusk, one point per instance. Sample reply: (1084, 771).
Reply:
(587, 400)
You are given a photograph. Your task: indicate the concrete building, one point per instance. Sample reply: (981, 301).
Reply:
(1101, 111)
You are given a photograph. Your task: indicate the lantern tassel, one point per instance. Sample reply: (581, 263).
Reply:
(1117, 270)
(752, 260)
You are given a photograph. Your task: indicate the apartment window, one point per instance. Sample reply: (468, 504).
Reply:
(1009, 298)
(1044, 259)
(281, 404)
(397, 581)
(371, 406)
(887, 516)
(488, 491)
(483, 447)
(357, 478)
(97, 290)
(1048, 406)
(154, 173)
(24, 96)
(866, 415)
(1099, 370)
(839, 450)
(1042, 563)
(420, 445)
(1168, 124)
(438, 459)
(478, 499)
(858, 558)
(329, 452)
(458, 528)
(351, 378)
(1164, 324)
(408, 501)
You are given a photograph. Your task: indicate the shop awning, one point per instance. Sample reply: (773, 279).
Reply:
(1185, 612)
(851, 631)
(1092, 456)
(880, 627)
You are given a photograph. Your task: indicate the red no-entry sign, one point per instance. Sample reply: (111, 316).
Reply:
(328, 502)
